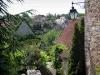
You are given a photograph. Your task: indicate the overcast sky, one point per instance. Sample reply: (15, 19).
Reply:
(45, 6)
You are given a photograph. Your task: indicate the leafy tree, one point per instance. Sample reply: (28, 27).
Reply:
(56, 59)
(58, 16)
(49, 16)
(32, 57)
(9, 42)
(81, 15)
(50, 37)
(66, 16)
(8, 52)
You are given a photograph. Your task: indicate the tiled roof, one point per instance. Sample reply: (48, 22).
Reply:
(66, 37)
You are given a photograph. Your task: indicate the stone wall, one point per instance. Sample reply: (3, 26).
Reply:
(92, 35)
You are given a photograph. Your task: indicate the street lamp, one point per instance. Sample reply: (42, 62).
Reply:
(73, 12)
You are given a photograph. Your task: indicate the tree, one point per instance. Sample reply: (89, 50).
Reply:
(81, 60)
(4, 5)
(82, 53)
(49, 16)
(76, 63)
(49, 39)
(73, 60)
(9, 42)
(56, 58)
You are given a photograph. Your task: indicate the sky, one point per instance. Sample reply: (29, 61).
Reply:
(45, 6)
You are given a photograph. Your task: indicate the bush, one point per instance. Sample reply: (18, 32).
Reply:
(56, 59)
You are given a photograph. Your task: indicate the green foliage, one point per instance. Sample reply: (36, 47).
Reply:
(44, 55)
(9, 65)
(33, 57)
(81, 15)
(43, 59)
(82, 52)
(4, 6)
(30, 57)
(5, 59)
(58, 16)
(73, 57)
(10, 44)
(76, 60)
(61, 48)
(50, 37)
(66, 16)
(97, 67)
(56, 59)
(17, 53)
(50, 17)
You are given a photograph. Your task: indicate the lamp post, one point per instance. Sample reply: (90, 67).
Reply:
(73, 12)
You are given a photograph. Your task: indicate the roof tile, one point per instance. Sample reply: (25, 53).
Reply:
(66, 37)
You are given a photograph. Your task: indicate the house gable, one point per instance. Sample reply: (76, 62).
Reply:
(24, 29)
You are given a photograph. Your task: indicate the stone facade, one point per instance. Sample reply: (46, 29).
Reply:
(92, 35)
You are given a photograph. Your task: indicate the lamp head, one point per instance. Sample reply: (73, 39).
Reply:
(73, 13)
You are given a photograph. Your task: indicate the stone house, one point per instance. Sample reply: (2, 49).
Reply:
(25, 29)
(62, 21)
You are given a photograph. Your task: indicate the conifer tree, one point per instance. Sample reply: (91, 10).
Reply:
(74, 57)
(81, 50)
(76, 62)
